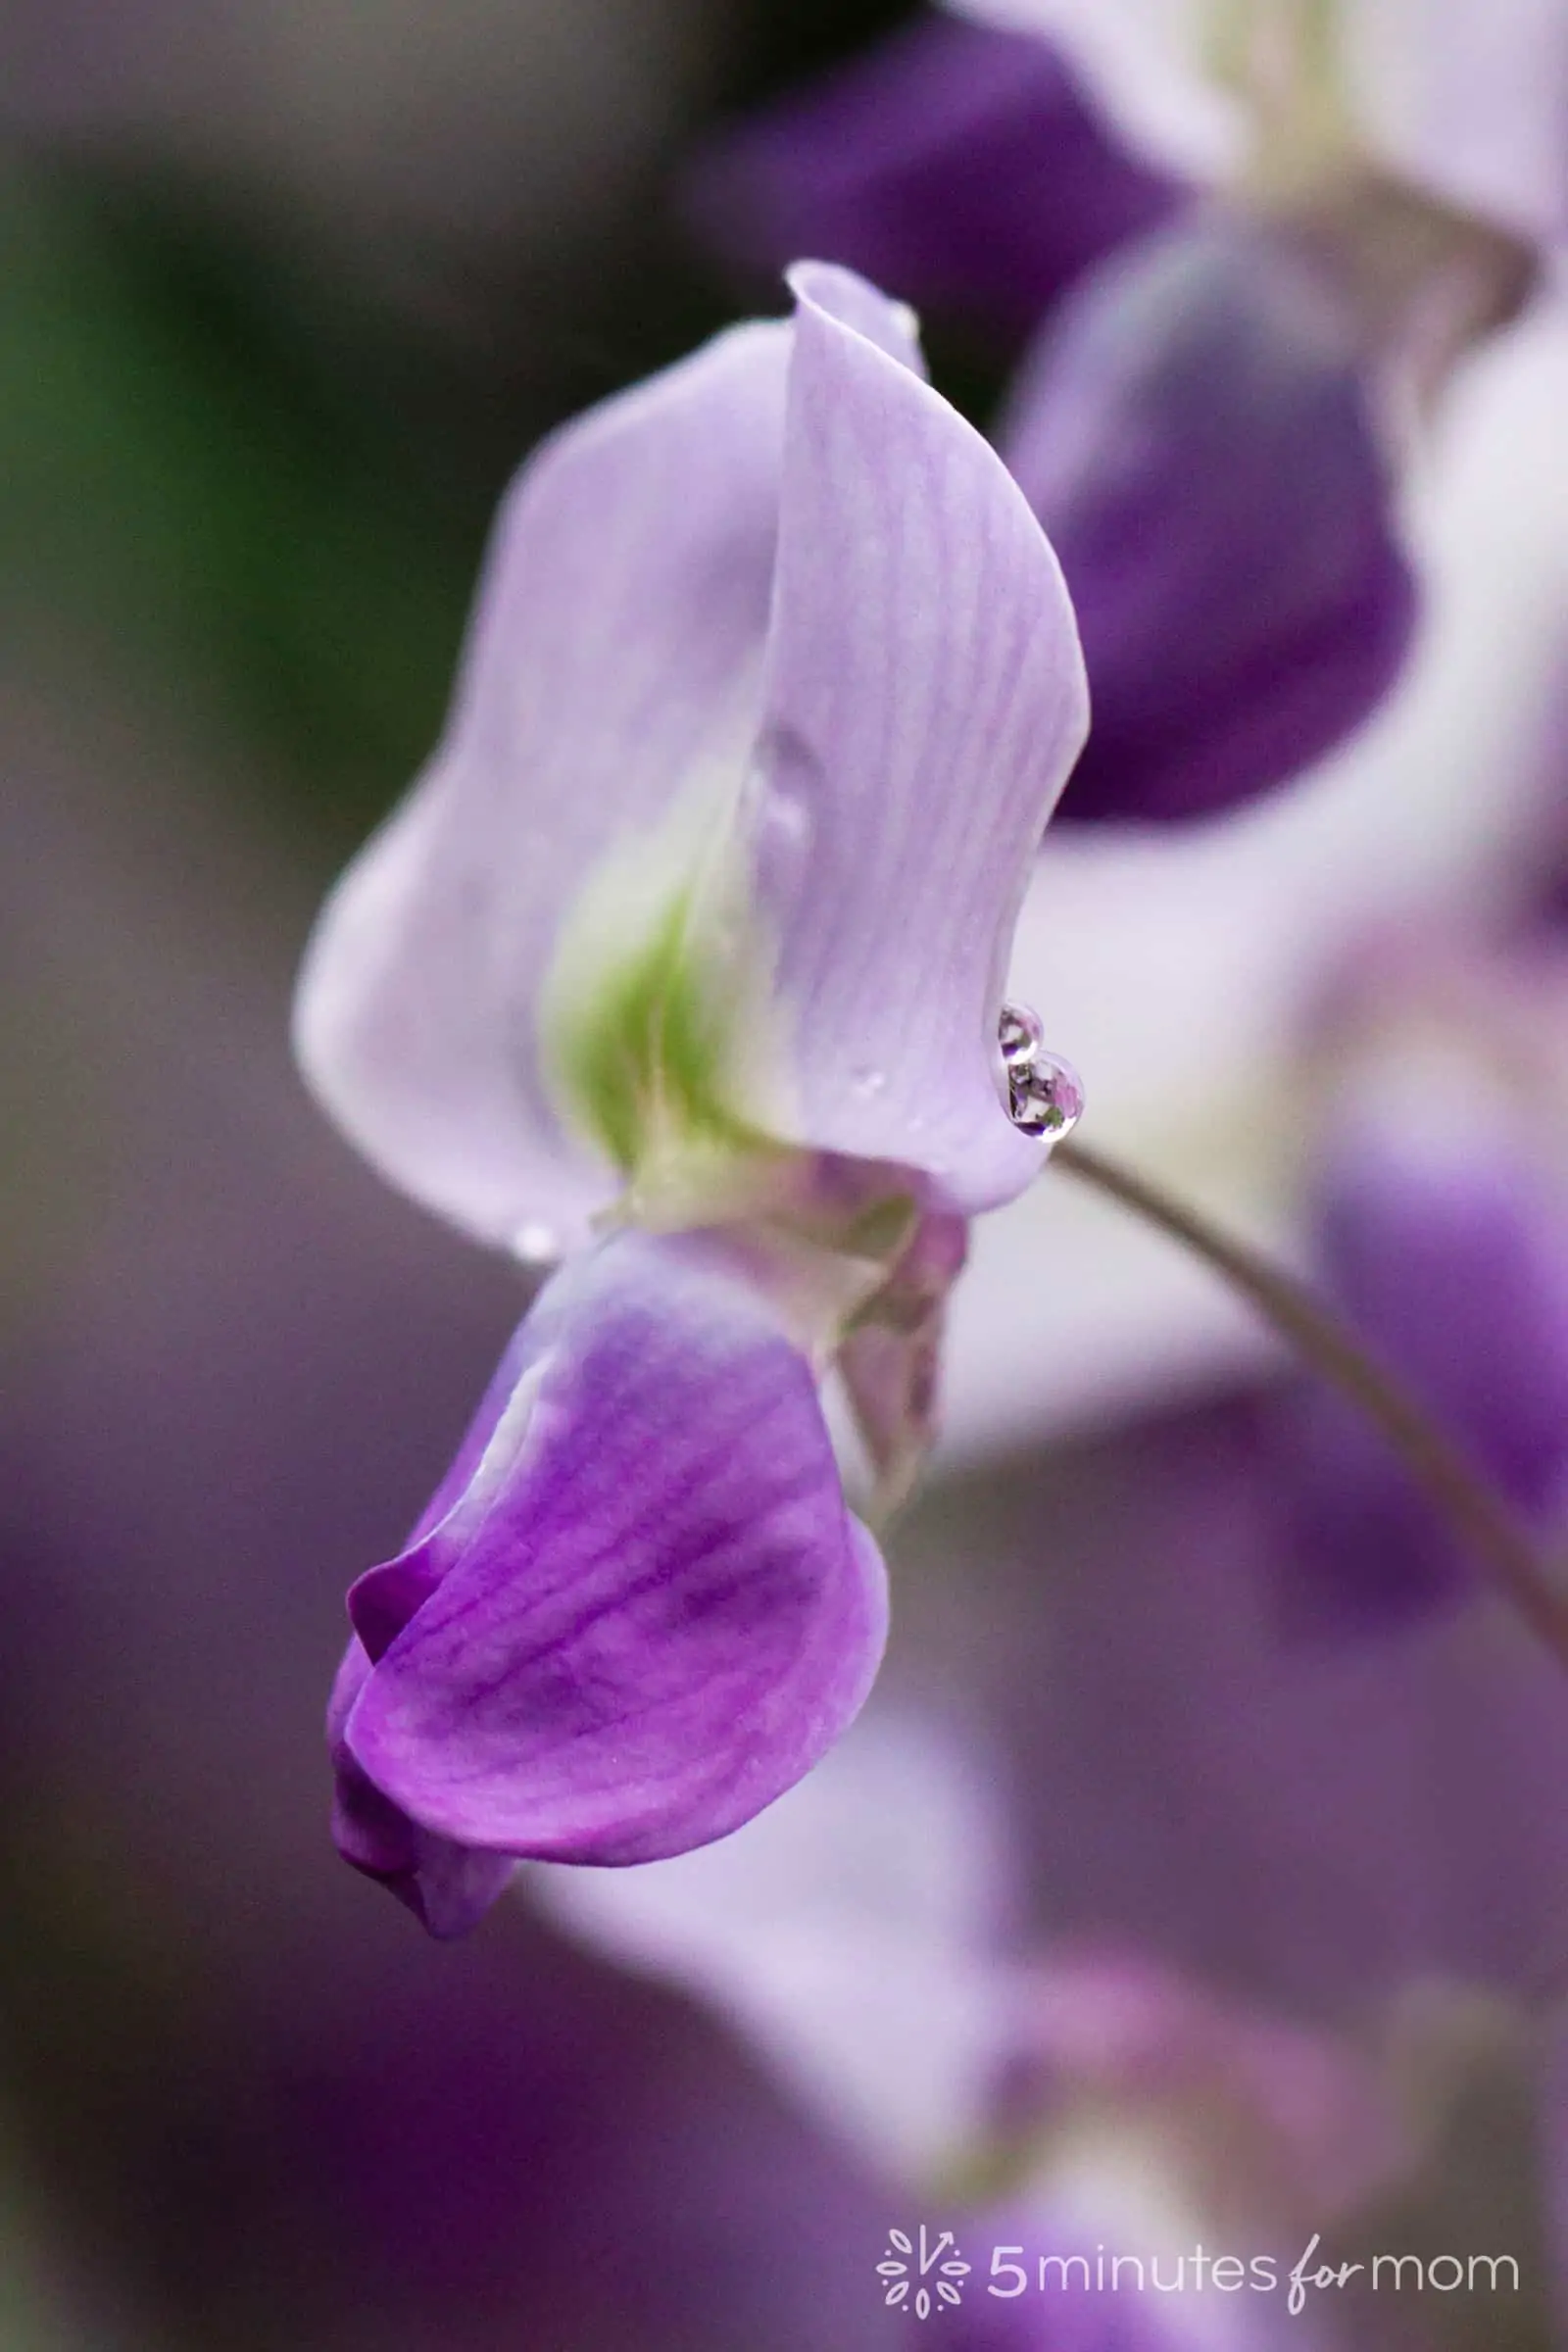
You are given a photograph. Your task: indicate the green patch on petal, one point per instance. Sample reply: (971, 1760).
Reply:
(881, 1230)
(656, 1023)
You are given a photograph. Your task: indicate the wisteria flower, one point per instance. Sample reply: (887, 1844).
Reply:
(683, 963)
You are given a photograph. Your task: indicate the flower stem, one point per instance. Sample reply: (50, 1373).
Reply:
(1451, 1480)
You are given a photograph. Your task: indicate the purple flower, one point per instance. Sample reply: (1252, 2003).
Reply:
(1195, 432)
(696, 923)
(959, 163)
(1444, 1242)
(1252, 251)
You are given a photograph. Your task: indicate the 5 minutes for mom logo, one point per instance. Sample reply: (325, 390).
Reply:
(922, 2275)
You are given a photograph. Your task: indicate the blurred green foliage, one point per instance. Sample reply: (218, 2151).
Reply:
(236, 473)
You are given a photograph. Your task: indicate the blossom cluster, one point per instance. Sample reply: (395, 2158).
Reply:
(686, 977)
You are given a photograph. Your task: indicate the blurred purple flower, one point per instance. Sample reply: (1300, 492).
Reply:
(1265, 2116)
(956, 163)
(1311, 1825)
(698, 923)
(1443, 1239)
(1153, 2129)
(1206, 426)
(1195, 433)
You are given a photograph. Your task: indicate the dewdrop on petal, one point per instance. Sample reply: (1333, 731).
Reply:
(1045, 1093)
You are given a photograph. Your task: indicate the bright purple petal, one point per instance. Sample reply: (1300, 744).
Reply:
(650, 1612)
(924, 701)
(954, 164)
(1195, 438)
(613, 664)
(449, 1887)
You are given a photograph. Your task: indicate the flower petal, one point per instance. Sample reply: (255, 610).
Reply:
(613, 662)
(955, 163)
(890, 1360)
(924, 701)
(1465, 98)
(1469, 99)
(862, 1914)
(651, 1612)
(1196, 436)
(448, 1887)
(910, 661)
(1450, 1257)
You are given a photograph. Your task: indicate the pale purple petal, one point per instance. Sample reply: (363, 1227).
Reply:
(891, 1358)
(826, 606)
(1469, 98)
(1196, 436)
(954, 164)
(650, 1612)
(613, 665)
(924, 703)
(860, 1916)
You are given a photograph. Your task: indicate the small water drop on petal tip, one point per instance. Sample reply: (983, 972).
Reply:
(1045, 1093)
(1018, 1033)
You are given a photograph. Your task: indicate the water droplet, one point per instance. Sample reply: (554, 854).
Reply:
(1045, 1093)
(536, 1245)
(1045, 1096)
(867, 1082)
(1018, 1033)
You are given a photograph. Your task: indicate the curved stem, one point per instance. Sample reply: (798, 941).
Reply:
(1451, 1480)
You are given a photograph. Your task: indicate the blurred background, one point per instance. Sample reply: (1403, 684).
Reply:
(1204, 1837)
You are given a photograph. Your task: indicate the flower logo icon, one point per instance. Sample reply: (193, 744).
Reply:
(922, 2278)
